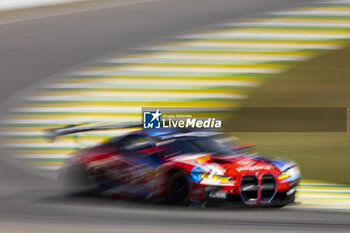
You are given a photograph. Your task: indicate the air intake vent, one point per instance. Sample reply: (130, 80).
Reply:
(267, 188)
(249, 189)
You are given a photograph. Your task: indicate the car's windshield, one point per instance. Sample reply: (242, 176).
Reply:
(200, 145)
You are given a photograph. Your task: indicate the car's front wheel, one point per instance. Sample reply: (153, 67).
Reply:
(178, 190)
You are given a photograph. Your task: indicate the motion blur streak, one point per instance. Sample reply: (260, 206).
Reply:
(18, 4)
(32, 202)
(323, 195)
(90, 6)
(214, 70)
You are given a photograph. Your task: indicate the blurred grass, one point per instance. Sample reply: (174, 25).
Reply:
(321, 82)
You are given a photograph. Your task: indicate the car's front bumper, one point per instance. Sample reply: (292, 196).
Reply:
(218, 196)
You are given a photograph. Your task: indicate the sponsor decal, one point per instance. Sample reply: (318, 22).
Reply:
(253, 167)
(218, 195)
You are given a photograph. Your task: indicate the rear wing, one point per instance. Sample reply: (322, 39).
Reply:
(52, 134)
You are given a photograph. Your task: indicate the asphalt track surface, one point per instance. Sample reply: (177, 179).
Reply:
(39, 43)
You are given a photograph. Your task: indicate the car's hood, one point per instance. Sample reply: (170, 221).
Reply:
(228, 164)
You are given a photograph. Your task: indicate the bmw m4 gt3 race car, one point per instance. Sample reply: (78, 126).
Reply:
(177, 166)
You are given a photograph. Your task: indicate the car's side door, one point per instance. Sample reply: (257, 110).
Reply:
(137, 169)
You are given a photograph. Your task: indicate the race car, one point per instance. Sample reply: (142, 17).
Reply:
(179, 167)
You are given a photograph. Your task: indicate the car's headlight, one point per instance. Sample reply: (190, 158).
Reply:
(217, 178)
(291, 172)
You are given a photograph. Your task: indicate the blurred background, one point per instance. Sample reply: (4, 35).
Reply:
(66, 62)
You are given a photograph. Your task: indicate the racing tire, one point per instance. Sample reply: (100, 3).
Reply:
(178, 190)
